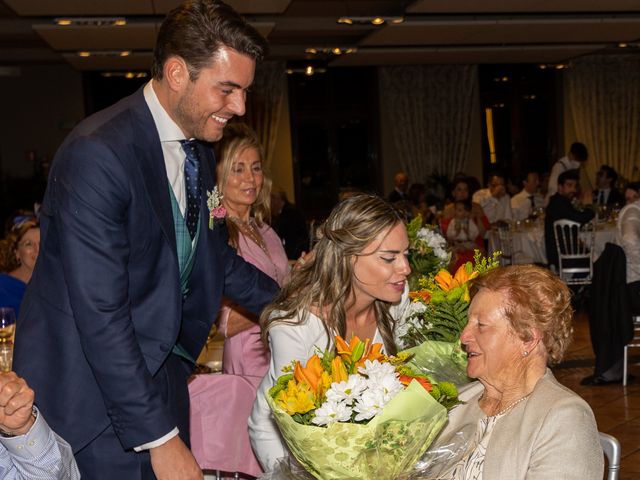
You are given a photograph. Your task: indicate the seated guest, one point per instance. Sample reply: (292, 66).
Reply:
(18, 253)
(348, 288)
(289, 223)
(418, 203)
(607, 194)
(628, 237)
(461, 192)
(563, 206)
(631, 192)
(400, 188)
(528, 199)
(494, 200)
(525, 423)
(463, 235)
(29, 449)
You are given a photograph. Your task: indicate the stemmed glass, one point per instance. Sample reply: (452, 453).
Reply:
(7, 332)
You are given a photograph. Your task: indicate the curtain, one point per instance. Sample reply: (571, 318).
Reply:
(264, 105)
(430, 109)
(603, 95)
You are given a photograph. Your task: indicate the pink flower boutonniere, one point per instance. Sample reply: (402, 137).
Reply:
(217, 212)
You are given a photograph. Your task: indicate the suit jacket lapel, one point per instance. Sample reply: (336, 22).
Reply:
(151, 160)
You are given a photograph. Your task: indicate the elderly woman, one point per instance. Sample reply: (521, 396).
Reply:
(18, 253)
(349, 287)
(527, 425)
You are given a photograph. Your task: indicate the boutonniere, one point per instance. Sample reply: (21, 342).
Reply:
(217, 212)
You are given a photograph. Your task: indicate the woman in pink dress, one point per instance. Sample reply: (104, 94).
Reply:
(246, 193)
(221, 404)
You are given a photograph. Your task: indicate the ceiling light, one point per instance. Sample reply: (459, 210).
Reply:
(311, 51)
(397, 20)
(91, 21)
(84, 54)
(127, 75)
(345, 21)
(560, 66)
(542, 66)
(309, 70)
(622, 45)
(125, 53)
(329, 51)
(373, 20)
(336, 51)
(377, 21)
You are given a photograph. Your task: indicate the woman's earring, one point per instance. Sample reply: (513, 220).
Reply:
(525, 354)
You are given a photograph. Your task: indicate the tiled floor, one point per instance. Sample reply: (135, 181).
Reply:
(617, 408)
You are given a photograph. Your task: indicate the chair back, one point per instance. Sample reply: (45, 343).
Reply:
(505, 238)
(611, 449)
(575, 252)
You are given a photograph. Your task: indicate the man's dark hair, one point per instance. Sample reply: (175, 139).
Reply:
(568, 175)
(611, 173)
(579, 151)
(197, 29)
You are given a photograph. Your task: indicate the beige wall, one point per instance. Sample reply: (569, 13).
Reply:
(39, 109)
(282, 163)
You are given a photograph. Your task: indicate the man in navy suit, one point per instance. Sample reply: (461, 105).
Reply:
(125, 289)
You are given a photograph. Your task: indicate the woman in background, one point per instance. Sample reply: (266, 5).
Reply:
(18, 253)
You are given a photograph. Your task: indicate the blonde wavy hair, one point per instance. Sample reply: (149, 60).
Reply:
(236, 139)
(536, 299)
(325, 283)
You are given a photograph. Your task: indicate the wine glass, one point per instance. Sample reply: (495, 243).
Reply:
(7, 331)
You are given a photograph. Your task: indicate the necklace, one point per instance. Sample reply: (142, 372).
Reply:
(249, 230)
(508, 407)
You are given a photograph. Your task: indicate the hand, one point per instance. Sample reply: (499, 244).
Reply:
(16, 402)
(304, 259)
(173, 461)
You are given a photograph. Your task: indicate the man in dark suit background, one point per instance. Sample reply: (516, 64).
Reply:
(562, 206)
(607, 194)
(131, 270)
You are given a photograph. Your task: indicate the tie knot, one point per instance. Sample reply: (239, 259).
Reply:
(190, 148)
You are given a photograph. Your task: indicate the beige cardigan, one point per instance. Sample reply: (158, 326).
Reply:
(551, 436)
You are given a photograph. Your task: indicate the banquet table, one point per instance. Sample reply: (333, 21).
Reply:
(528, 242)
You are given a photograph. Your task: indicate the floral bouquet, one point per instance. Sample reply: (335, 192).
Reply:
(358, 414)
(427, 251)
(434, 320)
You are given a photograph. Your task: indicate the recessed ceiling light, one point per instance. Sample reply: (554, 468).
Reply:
(63, 22)
(377, 21)
(345, 20)
(84, 54)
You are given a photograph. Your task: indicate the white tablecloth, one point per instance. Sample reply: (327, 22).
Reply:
(528, 243)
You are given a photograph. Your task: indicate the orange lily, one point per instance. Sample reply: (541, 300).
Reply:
(422, 295)
(462, 276)
(338, 370)
(356, 352)
(310, 374)
(426, 384)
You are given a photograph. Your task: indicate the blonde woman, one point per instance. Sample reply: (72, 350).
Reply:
(349, 287)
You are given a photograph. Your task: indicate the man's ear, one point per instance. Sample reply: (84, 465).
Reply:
(176, 73)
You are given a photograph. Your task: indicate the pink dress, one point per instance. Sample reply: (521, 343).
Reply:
(244, 353)
(221, 403)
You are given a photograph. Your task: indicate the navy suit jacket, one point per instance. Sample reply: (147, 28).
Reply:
(104, 306)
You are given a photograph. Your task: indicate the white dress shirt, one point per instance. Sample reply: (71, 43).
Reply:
(170, 136)
(628, 237)
(521, 204)
(494, 208)
(562, 165)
